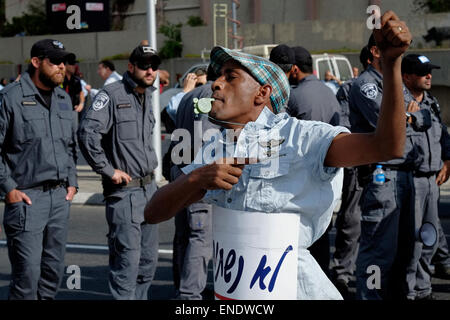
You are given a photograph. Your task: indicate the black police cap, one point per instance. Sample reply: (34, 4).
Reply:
(145, 57)
(417, 64)
(282, 54)
(52, 49)
(302, 56)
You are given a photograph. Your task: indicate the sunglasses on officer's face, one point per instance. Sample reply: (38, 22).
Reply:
(56, 61)
(145, 67)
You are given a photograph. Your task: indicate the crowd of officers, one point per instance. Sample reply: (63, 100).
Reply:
(390, 230)
(39, 134)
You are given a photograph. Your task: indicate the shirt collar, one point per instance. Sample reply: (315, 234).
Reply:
(374, 71)
(131, 84)
(28, 87)
(266, 120)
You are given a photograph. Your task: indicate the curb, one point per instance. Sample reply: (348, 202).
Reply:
(88, 198)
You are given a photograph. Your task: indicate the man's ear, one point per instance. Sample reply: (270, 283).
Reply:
(375, 52)
(35, 61)
(263, 96)
(130, 67)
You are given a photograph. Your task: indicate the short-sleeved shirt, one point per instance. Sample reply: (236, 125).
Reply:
(294, 180)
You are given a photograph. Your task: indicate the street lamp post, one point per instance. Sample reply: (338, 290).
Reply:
(151, 29)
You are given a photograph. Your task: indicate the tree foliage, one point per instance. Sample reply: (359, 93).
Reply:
(172, 47)
(433, 6)
(32, 22)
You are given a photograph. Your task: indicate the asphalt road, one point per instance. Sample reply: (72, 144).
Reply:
(87, 249)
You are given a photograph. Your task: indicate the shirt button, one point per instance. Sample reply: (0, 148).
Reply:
(229, 200)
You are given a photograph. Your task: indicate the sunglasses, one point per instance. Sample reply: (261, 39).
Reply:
(56, 61)
(145, 67)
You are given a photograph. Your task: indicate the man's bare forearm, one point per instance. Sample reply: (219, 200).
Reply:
(390, 136)
(170, 199)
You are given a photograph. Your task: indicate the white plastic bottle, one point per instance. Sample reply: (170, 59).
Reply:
(379, 176)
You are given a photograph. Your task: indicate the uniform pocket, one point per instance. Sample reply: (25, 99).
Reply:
(269, 186)
(376, 201)
(118, 210)
(66, 121)
(35, 125)
(14, 218)
(137, 208)
(198, 216)
(127, 125)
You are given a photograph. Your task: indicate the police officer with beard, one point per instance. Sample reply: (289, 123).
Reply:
(116, 139)
(37, 172)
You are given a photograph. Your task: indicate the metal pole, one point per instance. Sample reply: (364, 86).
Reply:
(226, 24)
(233, 8)
(151, 29)
(214, 24)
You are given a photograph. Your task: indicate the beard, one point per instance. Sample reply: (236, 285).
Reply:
(50, 80)
(141, 82)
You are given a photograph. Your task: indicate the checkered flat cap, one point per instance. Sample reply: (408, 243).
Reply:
(263, 70)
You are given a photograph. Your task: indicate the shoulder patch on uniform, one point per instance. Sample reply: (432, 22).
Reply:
(101, 101)
(370, 90)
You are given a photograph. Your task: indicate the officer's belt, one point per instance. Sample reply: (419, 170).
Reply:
(138, 182)
(46, 185)
(421, 174)
(395, 167)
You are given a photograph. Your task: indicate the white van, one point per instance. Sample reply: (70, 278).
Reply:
(338, 64)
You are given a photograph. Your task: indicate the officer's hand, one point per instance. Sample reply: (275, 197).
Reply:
(222, 174)
(444, 174)
(71, 191)
(120, 177)
(79, 107)
(189, 82)
(394, 38)
(413, 107)
(15, 196)
(88, 87)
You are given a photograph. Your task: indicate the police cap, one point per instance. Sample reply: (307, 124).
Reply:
(53, 50)
(417, 64)
(145, 57)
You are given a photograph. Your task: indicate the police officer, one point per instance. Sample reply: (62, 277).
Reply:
(348, 220)
(382, 206)
(116, 139)
(192, 244)
(37, 171)
(310, 98)
(434, 152)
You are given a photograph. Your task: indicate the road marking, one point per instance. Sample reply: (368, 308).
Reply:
(93, 247)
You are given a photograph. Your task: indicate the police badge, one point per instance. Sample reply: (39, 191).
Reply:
(101, 100)
(370, 90)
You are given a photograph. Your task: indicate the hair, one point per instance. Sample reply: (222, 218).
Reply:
(31, 69)
(365, 55)
(108, 64)
(211, 75)
(305, 68)
(200, 72)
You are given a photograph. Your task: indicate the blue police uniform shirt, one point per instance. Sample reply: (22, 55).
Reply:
(366, 94)
(290, 177)
(430, 134)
